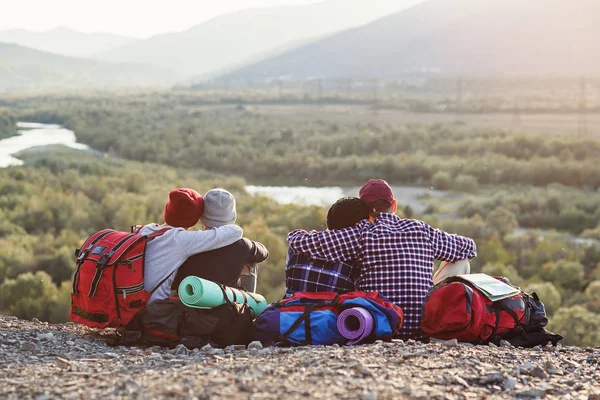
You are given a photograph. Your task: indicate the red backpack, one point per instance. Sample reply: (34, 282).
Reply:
(108, 285)
(456, 309)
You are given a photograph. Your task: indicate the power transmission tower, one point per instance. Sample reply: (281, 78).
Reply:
(582, 119)
(376, 95)
(517, 112)
(460, 86)
(280, 89)
(320, 89)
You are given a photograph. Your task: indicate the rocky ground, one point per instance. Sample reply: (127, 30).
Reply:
(42, 361)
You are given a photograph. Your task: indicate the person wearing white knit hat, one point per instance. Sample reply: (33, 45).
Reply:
(219, 208)
(233, 265)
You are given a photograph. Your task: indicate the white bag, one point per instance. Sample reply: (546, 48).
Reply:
(447, 269)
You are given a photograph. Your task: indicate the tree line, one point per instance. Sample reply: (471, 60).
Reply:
(7, 125)
(180, 130)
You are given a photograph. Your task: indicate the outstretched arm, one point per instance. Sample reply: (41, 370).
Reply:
(194, 242)
(334, 246)
(450, 247)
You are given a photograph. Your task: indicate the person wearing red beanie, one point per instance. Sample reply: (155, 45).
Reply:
(184, 209)
(167, 252)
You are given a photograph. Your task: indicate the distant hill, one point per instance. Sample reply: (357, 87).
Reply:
(22, 68)
(484, 37)
(65, 41)
(232, 39)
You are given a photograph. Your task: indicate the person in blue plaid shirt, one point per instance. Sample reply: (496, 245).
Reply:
(395, 255)
(304, 273)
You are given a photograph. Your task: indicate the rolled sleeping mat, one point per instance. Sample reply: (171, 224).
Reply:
(355, 324)
(201, 293)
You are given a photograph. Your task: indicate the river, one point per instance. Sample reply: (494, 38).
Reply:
(325, 196)
(35, 135)
(32, 135)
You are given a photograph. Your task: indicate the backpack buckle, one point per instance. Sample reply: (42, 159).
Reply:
(104, 259)
(83, 254)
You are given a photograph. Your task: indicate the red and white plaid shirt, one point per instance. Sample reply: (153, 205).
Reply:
(395, 257)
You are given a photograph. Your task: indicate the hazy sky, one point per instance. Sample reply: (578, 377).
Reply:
(136, 18)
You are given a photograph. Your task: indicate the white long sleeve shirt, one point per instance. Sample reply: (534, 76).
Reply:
(166, 253)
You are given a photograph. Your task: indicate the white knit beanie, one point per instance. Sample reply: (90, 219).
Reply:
(219, 208)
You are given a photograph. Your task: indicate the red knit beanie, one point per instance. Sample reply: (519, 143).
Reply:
(184, 208)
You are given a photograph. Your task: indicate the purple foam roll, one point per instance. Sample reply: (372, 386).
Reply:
(355, 324)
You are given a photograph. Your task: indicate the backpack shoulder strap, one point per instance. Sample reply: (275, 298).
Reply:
(135, 229)
(157, 233)
(159, 284)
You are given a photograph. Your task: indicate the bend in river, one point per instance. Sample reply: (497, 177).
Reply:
(33, 135)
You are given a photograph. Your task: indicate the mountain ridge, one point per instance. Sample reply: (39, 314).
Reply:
(65, 41)
(451, 37)
(23, 68)
(234, 38)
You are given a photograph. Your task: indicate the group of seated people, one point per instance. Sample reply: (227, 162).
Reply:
(366, 247)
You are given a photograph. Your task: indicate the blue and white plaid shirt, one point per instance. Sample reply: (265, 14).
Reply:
(309, 274)
(395, 257)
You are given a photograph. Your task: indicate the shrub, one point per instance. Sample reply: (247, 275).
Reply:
(579, 326)
(465, 183)
(592, 292)
(548, 294)
(441, 181)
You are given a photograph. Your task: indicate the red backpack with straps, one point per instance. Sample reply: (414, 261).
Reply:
(108, 285)
(457, 309)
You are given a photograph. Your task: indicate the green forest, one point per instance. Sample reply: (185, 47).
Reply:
(7, 126)
(149, 143)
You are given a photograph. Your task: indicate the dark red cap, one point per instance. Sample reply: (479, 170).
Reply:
(184, 208)
(376, 189)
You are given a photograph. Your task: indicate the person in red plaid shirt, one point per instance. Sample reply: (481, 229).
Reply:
(395, 255)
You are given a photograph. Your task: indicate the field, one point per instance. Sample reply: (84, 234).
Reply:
(530, 123)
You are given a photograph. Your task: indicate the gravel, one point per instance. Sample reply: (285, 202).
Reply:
(43, 361)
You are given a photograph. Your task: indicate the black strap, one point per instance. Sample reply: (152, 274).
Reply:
(335, 300)
(497, 312)
(302, 318)
(100, 318)
(161, 283)
(96, 280)
(101, 263)
(223, 289)
(513, 314)
(106, 256)
(305, 317)
(81, 257)
(500, 306)
(244, 296)
(253, 296)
